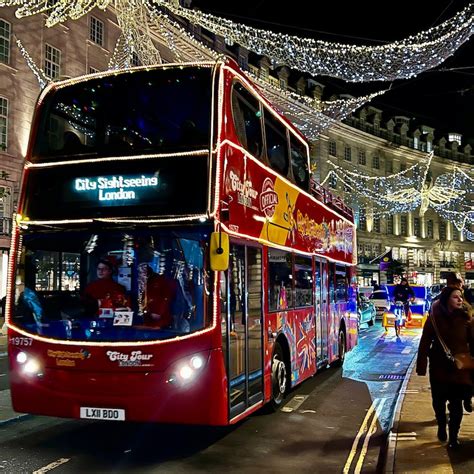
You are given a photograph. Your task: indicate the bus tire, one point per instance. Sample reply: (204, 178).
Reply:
(341, 347)
(280, 378)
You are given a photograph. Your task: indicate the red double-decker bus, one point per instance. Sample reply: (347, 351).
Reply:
(172, 260)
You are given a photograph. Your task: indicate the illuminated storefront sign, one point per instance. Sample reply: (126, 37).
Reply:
(116, 188)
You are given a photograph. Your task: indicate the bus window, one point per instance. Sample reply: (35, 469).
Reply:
(277, 144)
(303, 281)
(280, 280)
(246, 113)
(331, 267)
(112, 286)
(299, 163)
(157, 111)
(341, 283)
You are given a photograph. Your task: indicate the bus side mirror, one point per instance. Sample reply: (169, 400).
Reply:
(219, 251)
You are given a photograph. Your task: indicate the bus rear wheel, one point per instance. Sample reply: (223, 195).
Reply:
(341, 347)
(279, 377)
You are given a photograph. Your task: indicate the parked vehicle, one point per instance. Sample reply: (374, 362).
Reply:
(365, 290)
(381, 300)
(366, 311)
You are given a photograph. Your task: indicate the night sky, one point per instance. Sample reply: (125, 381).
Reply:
(442, 98)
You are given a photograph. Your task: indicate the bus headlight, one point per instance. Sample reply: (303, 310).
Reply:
(21, 357)
(30, 365)
(187, 370)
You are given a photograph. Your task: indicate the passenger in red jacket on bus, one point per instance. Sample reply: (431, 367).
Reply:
(160, 295)
(104, 291)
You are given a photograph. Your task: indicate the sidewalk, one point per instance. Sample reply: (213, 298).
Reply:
(413, 445)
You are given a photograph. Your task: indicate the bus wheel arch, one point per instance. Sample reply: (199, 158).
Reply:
(281, 373)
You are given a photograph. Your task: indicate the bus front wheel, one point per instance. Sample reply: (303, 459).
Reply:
(279, 377)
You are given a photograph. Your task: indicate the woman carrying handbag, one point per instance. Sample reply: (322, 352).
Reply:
(447, 336)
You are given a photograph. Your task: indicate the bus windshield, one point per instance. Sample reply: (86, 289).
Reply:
(112, 286)
(132, 113)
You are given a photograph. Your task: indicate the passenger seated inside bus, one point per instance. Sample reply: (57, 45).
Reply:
(161, 292)
(29, 307)
(104, 294)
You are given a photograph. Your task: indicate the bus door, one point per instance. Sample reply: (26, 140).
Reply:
(322, 308)
(242, 327)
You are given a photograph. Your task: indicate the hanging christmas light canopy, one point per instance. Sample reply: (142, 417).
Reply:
(398, 60)
(450, 194)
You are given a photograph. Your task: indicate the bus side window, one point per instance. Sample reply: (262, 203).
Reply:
(277, 144)
(299, 163)
(280, 280)
(246, 114)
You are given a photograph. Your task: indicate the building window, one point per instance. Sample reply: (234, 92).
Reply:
(5, 210)
(376, 162)
(362, 160)
(283, 84)
(403, 224)
(416, 143)
(332, 148)
(243, 62)
(362, 219)
(429, 229)
(455, 233)
(389, 166)
(416, 226)
(5, 31)
(135, 59)
(333, 181)
(403, 255)
(376, 225)
(96, 32)
(389, 222)
(403, 166)
(455, 137)
(52, 62)
(429, 146)
(3, 123)
(348, 153)
(442, 230)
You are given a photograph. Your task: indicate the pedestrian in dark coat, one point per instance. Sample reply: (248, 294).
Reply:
(448, 383)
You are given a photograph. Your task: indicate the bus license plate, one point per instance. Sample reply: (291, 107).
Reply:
(113, 414)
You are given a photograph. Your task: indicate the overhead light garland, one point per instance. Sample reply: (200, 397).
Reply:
(135, 37)
(398, 60)
(40, 75)
(450, 194)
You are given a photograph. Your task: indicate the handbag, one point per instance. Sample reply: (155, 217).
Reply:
(462, 360)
